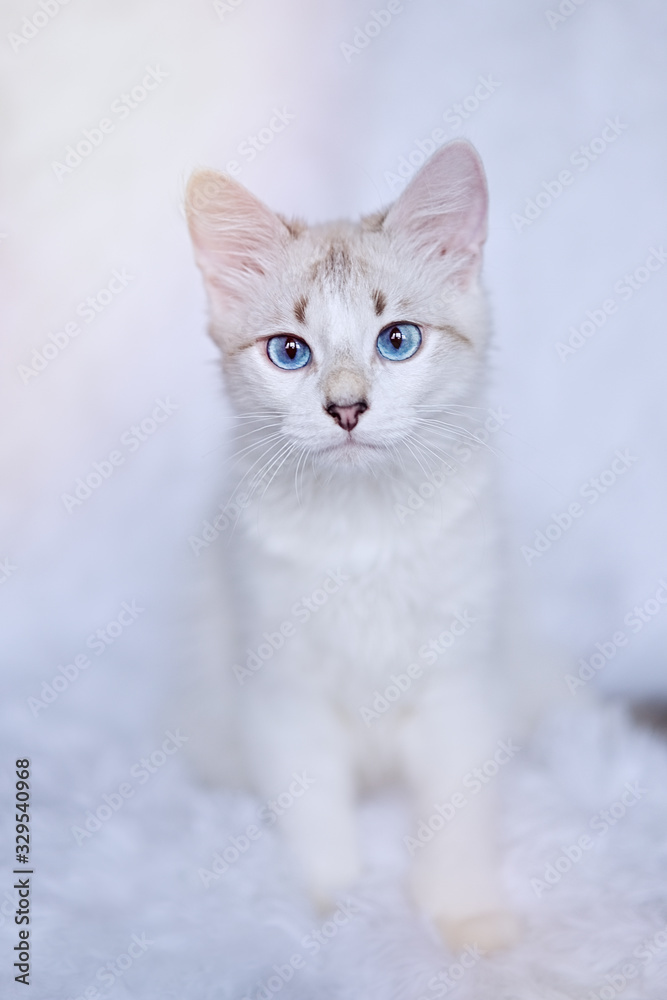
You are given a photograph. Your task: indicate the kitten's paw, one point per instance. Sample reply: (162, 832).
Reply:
(486, 931)
(326, 883)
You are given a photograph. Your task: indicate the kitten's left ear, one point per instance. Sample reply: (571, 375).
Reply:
(443, 211)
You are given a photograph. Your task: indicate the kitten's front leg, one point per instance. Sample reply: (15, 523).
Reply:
(296, 743)
(456, 873)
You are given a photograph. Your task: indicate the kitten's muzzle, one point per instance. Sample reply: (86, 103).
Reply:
(347, 416)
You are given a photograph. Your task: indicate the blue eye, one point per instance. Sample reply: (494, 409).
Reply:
(288, 352)
(399, 341)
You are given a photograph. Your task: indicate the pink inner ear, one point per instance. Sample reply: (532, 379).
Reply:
(235, 235)
(445, 207)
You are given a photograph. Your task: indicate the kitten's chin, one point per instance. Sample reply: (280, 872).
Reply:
(352, 453)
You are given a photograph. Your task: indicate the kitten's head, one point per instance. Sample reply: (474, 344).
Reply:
(345, 340)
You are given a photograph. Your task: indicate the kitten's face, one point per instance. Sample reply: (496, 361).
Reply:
(344, 341)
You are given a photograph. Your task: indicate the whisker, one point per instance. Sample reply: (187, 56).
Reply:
(258, 413)
(393, 447)
(303, 454)
(460, 433)
(256, 480)
(251, 487)
(461, 478)
(236, 491)
(497, 451)
(255, 430)
(262, 414)
(416, 457)
(448, 407)
(291, 447)
(437, 453)
(258, 444)
(458, 428)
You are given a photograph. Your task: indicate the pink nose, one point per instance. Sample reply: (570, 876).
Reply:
(347, 417)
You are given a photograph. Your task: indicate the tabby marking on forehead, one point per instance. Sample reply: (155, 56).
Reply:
(379, 301)
(335, 268)
(300, 309)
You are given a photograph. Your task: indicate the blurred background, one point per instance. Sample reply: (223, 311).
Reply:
(322, 110)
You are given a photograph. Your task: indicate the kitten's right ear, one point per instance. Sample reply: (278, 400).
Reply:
(236, 238)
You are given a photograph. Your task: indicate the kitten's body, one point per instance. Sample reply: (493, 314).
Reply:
(327, 530)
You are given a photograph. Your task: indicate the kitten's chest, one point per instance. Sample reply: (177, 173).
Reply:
(359, 572)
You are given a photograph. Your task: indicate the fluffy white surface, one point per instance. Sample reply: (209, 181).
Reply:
(60, 243)
(139, 875)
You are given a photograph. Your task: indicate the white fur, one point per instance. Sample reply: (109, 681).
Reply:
(327, 501)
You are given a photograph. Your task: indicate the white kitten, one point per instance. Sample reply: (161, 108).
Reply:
(354, 358)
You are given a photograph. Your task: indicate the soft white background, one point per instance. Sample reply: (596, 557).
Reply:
(121, 208)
